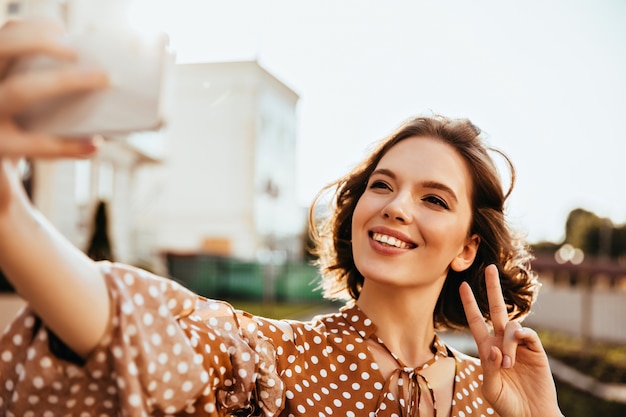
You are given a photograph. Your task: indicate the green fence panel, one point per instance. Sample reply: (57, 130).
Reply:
(244, 280)
(298, 282)
(218, 277)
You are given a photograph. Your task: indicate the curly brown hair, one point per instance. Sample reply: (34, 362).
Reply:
(499, 244)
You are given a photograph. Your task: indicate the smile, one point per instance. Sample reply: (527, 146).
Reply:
(391, 241)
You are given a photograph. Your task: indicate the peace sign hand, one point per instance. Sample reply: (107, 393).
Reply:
(517, 379)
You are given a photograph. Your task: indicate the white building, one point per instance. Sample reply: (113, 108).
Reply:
(228, 181)
(66, 191)
(219, 178)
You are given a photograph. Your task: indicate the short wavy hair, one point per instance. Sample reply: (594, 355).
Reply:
(499, 243)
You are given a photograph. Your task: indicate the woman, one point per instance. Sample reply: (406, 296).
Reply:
(419, 217)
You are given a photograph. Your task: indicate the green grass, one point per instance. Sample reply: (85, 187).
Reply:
(605, 362)
(576, 403)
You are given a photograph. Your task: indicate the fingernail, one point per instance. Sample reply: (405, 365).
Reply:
(506, 362)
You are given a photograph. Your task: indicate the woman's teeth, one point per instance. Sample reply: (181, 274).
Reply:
(391, 241)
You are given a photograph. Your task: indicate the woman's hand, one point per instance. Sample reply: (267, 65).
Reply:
(19, 39)
(517, 377)
(64, 287)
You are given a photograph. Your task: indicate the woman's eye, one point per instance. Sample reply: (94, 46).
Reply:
(436, 200)
(379, 184)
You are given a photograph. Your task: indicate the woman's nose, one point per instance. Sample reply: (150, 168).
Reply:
(398, 208)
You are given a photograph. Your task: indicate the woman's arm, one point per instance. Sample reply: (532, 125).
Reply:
(62, 285)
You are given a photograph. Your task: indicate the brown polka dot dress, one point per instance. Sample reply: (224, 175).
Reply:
(168, 352)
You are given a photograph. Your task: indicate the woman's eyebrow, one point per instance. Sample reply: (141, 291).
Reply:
(442, 187)
(384, 171)
(426, 184)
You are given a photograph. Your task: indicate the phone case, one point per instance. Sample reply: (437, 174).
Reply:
(136, 66)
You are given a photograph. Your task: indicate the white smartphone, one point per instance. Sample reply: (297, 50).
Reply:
(136, 65)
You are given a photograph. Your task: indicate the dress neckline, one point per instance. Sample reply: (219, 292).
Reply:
(407, 382)
(367, 330)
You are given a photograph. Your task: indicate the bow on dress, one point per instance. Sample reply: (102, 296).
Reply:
(410, 382)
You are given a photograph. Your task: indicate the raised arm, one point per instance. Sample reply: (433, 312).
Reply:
(60, 283)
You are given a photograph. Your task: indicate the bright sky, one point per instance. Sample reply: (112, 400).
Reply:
(546, 81)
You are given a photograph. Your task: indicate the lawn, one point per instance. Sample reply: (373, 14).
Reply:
(605, 362)
(576, 403)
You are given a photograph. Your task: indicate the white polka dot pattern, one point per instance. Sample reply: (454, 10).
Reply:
(169, 352)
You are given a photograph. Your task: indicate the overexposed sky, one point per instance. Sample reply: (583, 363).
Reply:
(546, 81)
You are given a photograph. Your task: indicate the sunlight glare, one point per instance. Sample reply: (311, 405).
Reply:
(150, 16)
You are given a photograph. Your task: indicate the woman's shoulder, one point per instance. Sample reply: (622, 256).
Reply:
(304, 327)
(462, 357)
(469, 372)
(327, 321)
(468, 366)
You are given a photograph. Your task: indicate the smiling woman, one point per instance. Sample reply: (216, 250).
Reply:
(417, 229)
(445, 171)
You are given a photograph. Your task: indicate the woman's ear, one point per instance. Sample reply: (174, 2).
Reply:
(467, 255)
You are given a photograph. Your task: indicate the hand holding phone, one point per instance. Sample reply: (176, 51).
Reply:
(136, 66)
(20, 39)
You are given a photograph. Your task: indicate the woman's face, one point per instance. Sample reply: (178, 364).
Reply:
(411, 224)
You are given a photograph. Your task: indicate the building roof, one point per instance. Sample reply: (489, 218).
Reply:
(253, 66)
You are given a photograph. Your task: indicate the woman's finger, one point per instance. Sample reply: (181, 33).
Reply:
(510, 343)
(34, 36)
(529, 338)
(19, 92)
(497, 307)
(54, 148)
(474, 317)
(22, 87)
(16, 143)
(492, 364)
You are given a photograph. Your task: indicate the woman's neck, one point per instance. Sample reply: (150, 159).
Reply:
(404, 319)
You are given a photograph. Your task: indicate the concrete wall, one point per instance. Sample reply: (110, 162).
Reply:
(597, 313)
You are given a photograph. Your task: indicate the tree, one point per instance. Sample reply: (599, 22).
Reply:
(99, 248)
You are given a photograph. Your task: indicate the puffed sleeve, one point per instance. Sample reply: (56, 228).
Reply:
(166, 351)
